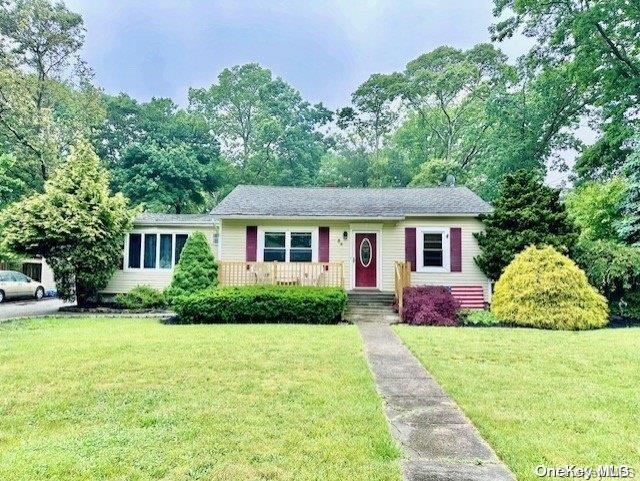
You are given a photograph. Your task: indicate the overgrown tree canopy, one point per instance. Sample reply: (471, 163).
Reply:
(46, 98)
(264, 127)
(595, 45)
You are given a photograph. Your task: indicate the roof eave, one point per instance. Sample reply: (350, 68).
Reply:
(310, 216)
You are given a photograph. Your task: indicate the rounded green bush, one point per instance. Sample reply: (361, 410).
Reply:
(142, 297)
(542, 288)
(196, 270)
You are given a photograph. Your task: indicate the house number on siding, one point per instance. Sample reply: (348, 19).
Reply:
(365, 252)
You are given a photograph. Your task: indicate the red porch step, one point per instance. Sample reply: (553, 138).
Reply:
(469, 297)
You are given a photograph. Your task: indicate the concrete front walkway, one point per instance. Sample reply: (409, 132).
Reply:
(439, 442)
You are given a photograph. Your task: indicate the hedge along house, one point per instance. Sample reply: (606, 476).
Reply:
(360, 238)
(153, 247)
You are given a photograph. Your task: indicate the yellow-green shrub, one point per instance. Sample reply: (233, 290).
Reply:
(542, 288)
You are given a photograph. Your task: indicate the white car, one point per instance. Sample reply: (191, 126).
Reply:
(15, 284)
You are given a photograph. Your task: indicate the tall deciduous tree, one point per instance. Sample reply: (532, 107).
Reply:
(169, 178)
(160, 155)
(526, 212)
(75, 224)
(263, 125)
(595, 43)
(46, 99)
(446, 89)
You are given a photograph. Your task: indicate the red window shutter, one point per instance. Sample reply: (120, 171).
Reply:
(323, 244)
(455, 245)
(410, 246)
(252, 243)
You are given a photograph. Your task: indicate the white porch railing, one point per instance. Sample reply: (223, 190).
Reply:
(281, 273)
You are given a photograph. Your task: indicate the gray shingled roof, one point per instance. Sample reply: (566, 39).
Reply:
(149, 218)
(263, 201)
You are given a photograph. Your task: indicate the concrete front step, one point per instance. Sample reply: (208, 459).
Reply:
(371, 314)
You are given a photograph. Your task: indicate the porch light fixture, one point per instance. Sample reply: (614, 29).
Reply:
(345, 234)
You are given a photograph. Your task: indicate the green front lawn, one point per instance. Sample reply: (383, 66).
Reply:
(132, 399)
(542, 397)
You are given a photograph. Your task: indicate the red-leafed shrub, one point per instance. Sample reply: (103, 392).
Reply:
(430, 305)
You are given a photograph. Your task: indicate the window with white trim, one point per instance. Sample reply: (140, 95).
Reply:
(153, 250)
(432, 246)
(281, 245)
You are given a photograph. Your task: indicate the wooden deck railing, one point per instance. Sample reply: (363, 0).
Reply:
(281, 273)
(402, 280)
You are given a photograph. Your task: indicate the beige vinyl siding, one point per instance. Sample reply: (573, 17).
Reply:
(471, 274)
(233, 245)
(127, 279)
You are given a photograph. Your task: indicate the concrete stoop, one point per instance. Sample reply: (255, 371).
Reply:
(439, 441)
(370, 306)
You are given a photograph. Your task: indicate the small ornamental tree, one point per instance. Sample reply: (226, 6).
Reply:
(75, 224)
(542, 288)
(629, 227)
(196, 270)
(526, 212)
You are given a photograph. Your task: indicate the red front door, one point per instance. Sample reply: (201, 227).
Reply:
(366, 261)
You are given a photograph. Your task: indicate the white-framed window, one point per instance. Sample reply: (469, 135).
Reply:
(153, 250)
(287, 245)
(432, 249)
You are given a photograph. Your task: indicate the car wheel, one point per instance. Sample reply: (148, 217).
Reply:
(39, 293)
(1, 296)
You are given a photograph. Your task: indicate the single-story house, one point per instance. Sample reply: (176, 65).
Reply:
(360, 232)
(354, 237)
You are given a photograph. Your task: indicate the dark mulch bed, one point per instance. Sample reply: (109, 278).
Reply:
(111, 309)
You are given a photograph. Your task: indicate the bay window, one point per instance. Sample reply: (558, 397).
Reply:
(281, 245)
(432, 245)
(153, 250)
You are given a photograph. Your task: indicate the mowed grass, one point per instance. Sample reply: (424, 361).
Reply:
(541, 397)
(132, 399)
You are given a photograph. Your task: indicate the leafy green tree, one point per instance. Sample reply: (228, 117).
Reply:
(166, 179)
(614, 269)
(263, 125)
(14, 182)
(435, 171)
(196, 270)
(75, 224)
(46, 98)
(526, 213)
(446, 88)
(373, 116)
(595, 209)
(595, 44)
(160, 155)
(159, 121)
(629, 226)
(532, 122)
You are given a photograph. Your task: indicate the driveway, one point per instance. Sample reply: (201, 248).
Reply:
(29, 308)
